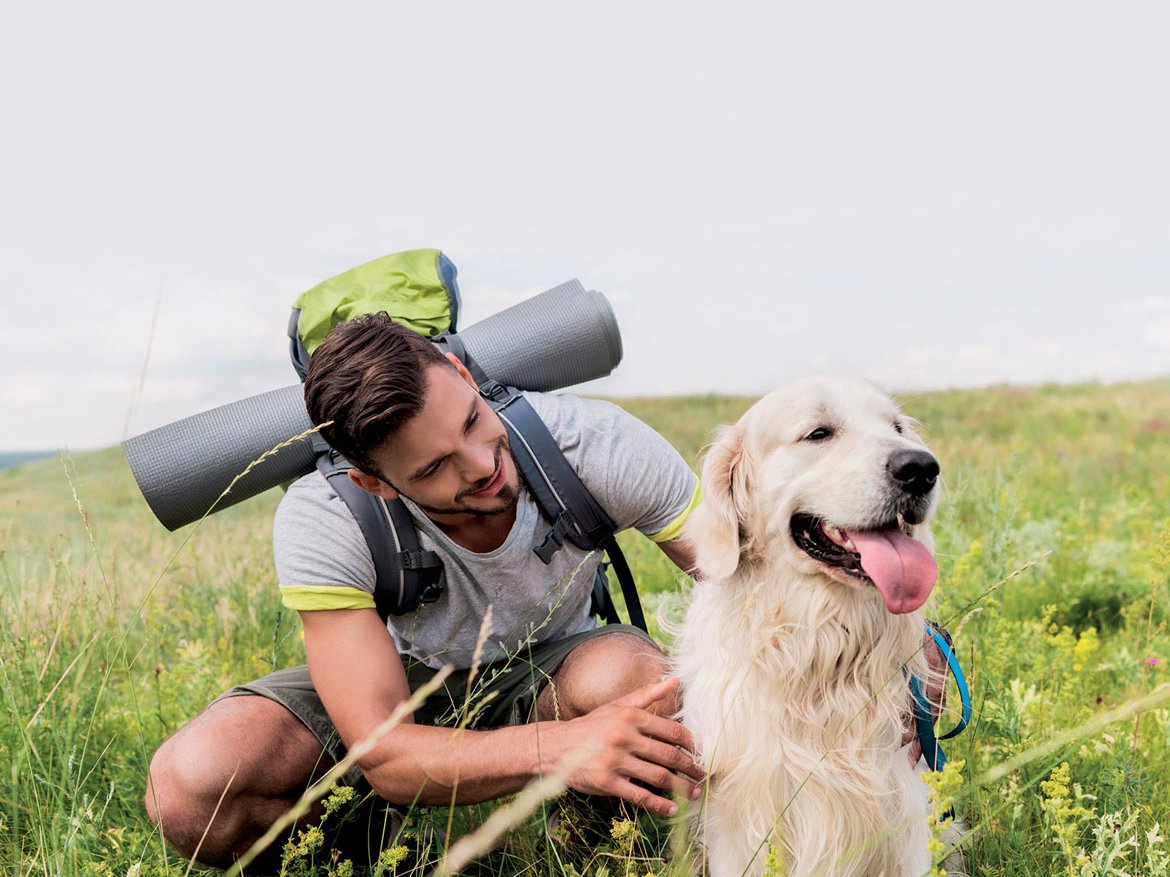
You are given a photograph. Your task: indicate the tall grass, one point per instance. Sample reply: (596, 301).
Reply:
(103, 654)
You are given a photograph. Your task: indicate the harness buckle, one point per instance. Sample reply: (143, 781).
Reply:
(494, 390)
(555, 537)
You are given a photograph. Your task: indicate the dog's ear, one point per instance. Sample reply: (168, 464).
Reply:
(715, 526)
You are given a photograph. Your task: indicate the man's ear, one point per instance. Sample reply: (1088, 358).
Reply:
(372, 484)
(462, 369)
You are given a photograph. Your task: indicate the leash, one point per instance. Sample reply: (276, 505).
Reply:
(931, 751)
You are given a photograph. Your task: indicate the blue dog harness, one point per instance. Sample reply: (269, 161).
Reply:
(931, 751)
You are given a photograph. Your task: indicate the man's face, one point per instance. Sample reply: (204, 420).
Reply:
(452, 458)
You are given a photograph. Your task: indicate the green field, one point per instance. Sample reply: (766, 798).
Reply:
(1054, 547)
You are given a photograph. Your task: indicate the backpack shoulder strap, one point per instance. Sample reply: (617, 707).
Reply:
(566, 502)
(405, 575)
(562, 497)
(625, 577)
(559, 492)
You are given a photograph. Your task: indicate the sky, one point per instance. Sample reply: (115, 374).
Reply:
(929, 195)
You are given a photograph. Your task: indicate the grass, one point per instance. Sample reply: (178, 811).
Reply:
(115, 632)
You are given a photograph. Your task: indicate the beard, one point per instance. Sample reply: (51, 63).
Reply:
(504, 501)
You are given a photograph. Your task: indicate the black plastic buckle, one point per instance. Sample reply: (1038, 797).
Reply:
(432, 591)
(421, 560)
(555, 537)
(494, 390)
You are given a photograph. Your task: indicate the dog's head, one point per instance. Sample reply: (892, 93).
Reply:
(827, 476)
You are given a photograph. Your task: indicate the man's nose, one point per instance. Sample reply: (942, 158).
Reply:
(479, 463)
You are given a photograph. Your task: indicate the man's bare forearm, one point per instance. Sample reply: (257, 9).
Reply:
(630, 745)
(431, 765)
(601, 753)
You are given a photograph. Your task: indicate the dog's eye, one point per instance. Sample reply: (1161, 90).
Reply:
(897, 427)
(819, 434)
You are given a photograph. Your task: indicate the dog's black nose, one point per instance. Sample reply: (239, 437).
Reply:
(915, 471)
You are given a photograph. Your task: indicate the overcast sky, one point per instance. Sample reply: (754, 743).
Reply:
(927, 194)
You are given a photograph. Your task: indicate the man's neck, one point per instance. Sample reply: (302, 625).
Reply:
(478, 533)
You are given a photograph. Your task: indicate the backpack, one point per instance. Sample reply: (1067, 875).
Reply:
(418, 289)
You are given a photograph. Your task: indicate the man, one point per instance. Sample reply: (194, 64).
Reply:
(413, 424)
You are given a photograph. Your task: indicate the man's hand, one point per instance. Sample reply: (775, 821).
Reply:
(635, 744)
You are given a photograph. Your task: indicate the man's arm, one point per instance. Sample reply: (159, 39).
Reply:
(681, 554)
(360, 678)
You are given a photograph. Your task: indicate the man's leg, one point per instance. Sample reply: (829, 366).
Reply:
(221, 780)
(602, 669)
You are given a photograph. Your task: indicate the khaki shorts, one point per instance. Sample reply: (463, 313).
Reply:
(502, 693)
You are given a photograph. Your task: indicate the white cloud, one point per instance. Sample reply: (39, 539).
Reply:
(1157, 334)
(761, 193)
(1147, 304)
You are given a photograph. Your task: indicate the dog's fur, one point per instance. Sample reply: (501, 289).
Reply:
(793, 673)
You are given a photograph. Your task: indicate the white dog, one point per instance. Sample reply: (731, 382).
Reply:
(793, 656)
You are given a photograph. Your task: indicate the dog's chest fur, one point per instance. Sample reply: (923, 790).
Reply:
(796, 699)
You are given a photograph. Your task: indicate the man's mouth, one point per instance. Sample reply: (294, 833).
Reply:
(888, 557)
(493, 485)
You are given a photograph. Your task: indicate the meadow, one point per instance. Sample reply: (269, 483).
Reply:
(1054, 547)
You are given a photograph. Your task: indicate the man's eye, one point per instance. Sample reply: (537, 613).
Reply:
(819, 434)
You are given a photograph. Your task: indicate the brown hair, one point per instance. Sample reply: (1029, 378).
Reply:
(368, 378)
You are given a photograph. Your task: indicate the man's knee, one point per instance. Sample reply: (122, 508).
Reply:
(187, 770)
(194, 781)
(600, 670)
(219, 780)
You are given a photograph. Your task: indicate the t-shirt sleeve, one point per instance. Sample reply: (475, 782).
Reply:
(638, 477)
(322, 561)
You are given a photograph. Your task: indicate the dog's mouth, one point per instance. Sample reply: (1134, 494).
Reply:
(888, 557)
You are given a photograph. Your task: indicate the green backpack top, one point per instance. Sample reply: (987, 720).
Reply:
(417, 288)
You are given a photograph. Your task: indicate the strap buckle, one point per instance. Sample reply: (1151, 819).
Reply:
(494, 390)
(419, 560)
(555, 537)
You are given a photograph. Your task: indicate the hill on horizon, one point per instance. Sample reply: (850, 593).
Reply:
(9, 459)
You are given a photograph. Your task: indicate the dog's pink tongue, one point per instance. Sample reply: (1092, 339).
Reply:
(901, 568)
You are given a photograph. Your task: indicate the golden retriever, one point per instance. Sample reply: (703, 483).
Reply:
(816, 561)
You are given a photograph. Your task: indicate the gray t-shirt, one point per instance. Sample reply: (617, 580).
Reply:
(323, 562)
